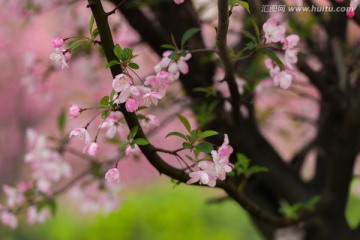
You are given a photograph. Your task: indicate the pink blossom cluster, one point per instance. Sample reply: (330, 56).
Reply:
(48, 169)
(91, 147)
(132, 95)
(96, 197)
(210, 171)
(59, 54)
(275, 33)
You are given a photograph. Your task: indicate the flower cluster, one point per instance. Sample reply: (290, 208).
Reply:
(210, 171)
(59, 54)
(48, 168)
(275, 33)
(91, 147)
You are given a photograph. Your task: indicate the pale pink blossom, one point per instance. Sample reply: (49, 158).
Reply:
(132, 151)
(178, 1)
(81, 133)
(9, 219)
(35, 216)
(13, 196)
(121, 82)
(283, 79)
(74, 111)
(175, 66)
(114, 125)
(151, 98)
(57, 42)
(91, 148)
(272, 66)
(149, 122)
(59, 55)
(112, 176)
(273, 32)
(221, 164)
(206, 175)
(225, 149)
(161, 82)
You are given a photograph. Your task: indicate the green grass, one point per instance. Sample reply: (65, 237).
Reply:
(157, 212)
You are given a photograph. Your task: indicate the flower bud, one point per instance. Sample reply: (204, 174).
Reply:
(57, 42)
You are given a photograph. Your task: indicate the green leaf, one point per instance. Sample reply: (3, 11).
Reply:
(275, 58)
(250, 36)
(75, 44)
(104, 101)
(61, 120)
(118, 51)
(188, 34)
(169, 46)
(133, 132)
(187, 145)
(173, 56)
(104, 114)
(140, 141)
(176, 134)
(112, 63)
(127, 53)
(133, 65)
(205, 147)
(91, 24)
(232, 2)
(242, 161)
(95, 33)
(257, 169)
(244, 5)
(207, 133)
(184, 121)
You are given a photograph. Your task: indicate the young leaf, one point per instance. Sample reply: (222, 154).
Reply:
(91, 24)
(207, 133)
(257, 169)
(104, 114)
(169, 46)
(244, 5)
(176, 134)
(104, 101)
(187, 145)
(250, 36)
(112, 63)
(188, 34)
(95, 33)
(140, 141)
(205, 147)
(242, 161)
(118, 50)
(61, 120)
(75, 44)
(184, 121)
(133, 132)
(133, 65)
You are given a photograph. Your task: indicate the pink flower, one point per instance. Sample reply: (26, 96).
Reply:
(161, 82)
(151, 98)
(8, 219)
(178, 1)
(121, 82)
(206, 175)
(353, 5)
(149, 122)
(221, 164)
(114, 125)
(274, 69)
(291, 41)
(113, 176)
(35, 216)
(14, 196)
(57, 42)
(91, 148)
(177, 66)
(131, 105)
(132, 151)
(82, 133)
(57, 56)
(273, 32)
(225, 149)
(283, 79)
(74, 111)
